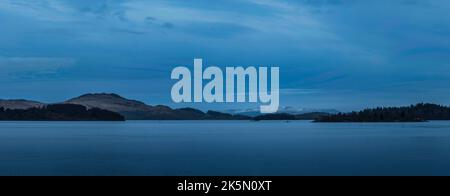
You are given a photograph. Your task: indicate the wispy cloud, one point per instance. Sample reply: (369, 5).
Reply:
(322, 46)
(32, 67)
(45, 10)
(299, 91)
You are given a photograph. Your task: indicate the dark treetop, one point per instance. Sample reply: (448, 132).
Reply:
(60, 112)
(414, 113)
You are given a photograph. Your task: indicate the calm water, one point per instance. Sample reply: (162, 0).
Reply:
(224, 148)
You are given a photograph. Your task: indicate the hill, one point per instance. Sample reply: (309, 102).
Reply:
(60, 112)
(254, 112)
(286, 116)
(414, 113)
(19, 104)
(137, 110)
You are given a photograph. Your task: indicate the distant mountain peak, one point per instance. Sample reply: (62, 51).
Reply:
(112, 102)
(191, 110)
(107, 98)
(102, 95)
(19, 104)
(282, 110)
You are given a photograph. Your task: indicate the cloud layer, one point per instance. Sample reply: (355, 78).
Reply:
(355, 53)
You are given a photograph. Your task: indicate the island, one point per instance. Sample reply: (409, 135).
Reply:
(414, 113)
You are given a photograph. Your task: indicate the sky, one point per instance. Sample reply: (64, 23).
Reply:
(344, 55)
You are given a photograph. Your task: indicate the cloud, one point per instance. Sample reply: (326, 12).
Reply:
(216, 29)
(167, 25)
(295, 91)
(138, 16)
(30, 67)
(318, 44)
(127, 31)
(44, 10)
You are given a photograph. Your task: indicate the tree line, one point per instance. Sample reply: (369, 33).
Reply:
(60, 112)
(413, 113)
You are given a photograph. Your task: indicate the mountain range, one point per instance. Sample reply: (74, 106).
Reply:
(104, 106)
(130, 109)
(254, 112)
(137, 110)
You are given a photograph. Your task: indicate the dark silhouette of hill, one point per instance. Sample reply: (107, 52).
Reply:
(213, 115)
(137, 110)
(286, 116)
(279, 116)
(131, 109)
(19, 104)
(253, 112)
(414, 113)
(59, 112)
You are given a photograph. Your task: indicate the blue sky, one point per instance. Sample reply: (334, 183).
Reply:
(331, 53)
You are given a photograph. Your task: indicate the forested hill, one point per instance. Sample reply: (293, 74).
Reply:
(414, 113)
(60, 112)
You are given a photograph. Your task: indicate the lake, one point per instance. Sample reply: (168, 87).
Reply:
(224, 148)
